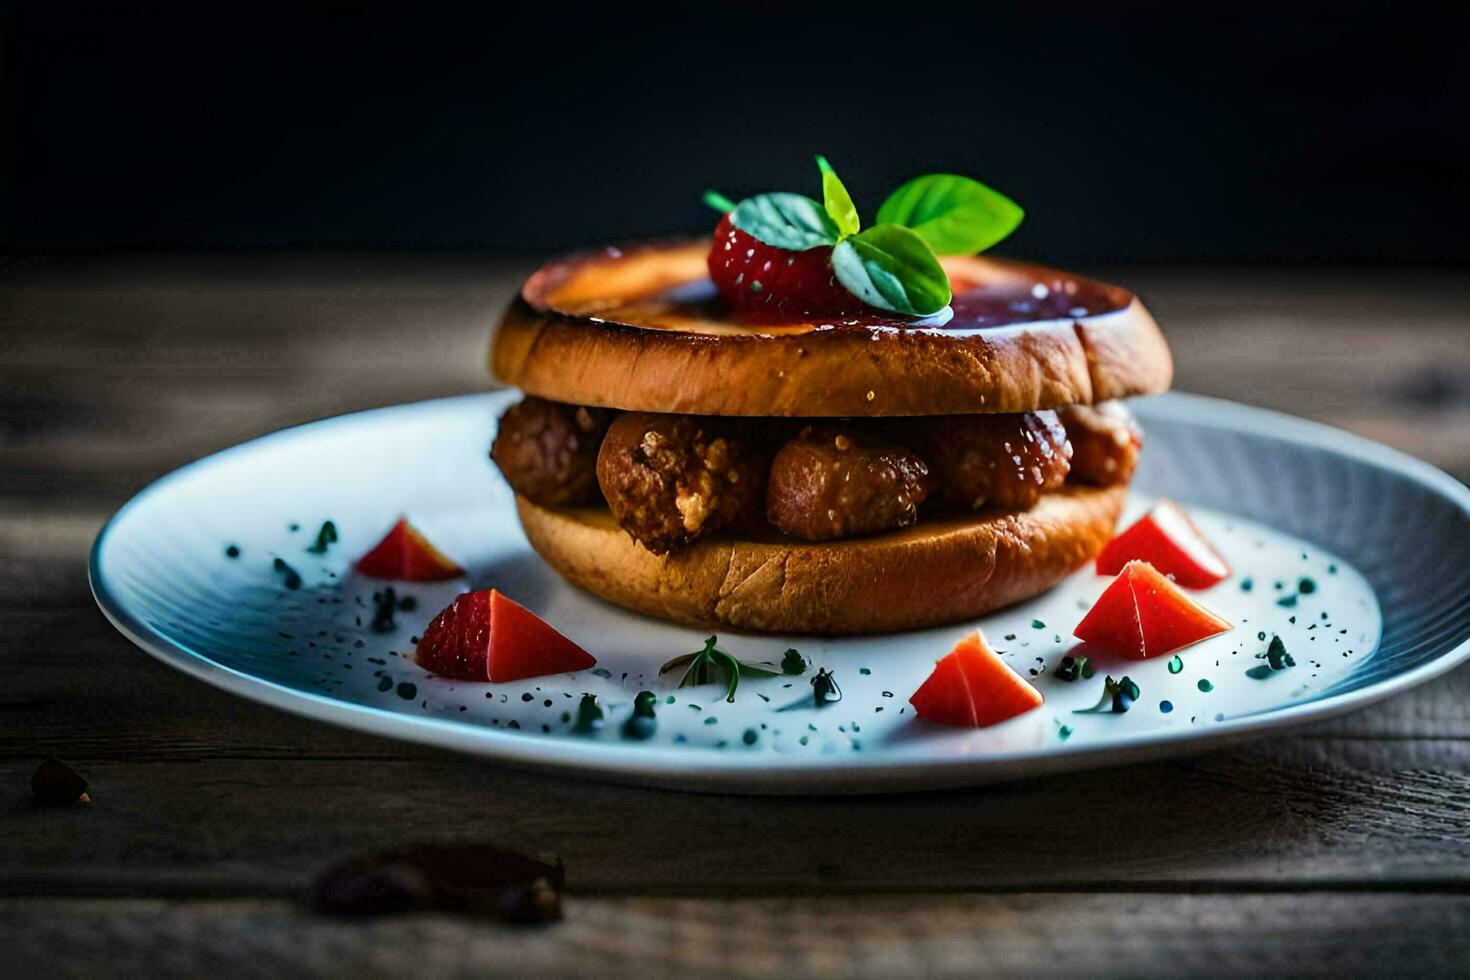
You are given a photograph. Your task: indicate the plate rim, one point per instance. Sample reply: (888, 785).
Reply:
(732, 773)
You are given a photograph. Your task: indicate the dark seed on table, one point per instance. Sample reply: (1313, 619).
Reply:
(473, 878)
(56, 784)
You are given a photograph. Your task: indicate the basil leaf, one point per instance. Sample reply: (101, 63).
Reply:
(788, 221)
(718, 201)
(892, 268)
(837, 201)
(955, 215)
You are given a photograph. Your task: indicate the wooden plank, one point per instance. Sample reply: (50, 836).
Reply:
(877, 936)
(1341, 813)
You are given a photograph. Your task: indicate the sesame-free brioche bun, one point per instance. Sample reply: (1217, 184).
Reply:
(636, 329)
(946, 568)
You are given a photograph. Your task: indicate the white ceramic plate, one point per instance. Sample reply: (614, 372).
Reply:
(1357, 556)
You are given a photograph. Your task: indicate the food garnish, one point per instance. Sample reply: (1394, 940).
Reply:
(642, 723)
(326, 537)
(824, 688)
(1072, 668)
(786, 254)
(1142, 614)
(290, 577)
(589, 716)
(484, 636)
(707, 666)
(1276, 658)
(792, 663)
(972, 687)
(405, 555)
(1169, 541)
(1117, 697)
(386, 603)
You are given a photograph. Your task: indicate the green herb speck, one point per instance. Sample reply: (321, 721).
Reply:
(642, 723)
(589, 715)
(291, 576)
(325, 537)
(1072, 668)
(1276, 655)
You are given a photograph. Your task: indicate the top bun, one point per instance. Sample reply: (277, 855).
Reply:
(639, 329)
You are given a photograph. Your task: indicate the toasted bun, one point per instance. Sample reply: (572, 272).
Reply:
(636, 329)
(943, 569)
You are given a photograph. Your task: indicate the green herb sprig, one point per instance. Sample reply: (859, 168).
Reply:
(642, 723)
(824, 688)
(1118, 696)
(590, 718)
(710, 665)
(326, 537)
(891, 265)
(1072, 668)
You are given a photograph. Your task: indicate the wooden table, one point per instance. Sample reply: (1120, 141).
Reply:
(1344, 846)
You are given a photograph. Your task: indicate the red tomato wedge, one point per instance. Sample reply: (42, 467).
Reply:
(1168, 540)
(405, 555)
(483, 636)
(1142, 615)
(972, 687)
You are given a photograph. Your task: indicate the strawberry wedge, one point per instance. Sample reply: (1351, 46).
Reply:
(1143, 614)
(483, 636)
(405, 555)
(1169, 541)
(972, 687)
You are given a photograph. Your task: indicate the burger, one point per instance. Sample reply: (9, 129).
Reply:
(803, 425)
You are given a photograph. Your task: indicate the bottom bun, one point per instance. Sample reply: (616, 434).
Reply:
(946, 568)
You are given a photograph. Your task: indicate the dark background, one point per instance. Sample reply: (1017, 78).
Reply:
(1150, 132)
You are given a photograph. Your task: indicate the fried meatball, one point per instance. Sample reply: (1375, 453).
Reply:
(994, 460)
(671, 479)
(548, 451)
(1105, 442)
(835, 481)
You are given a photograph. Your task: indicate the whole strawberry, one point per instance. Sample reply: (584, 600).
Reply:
(785, 256)
(762, 282)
